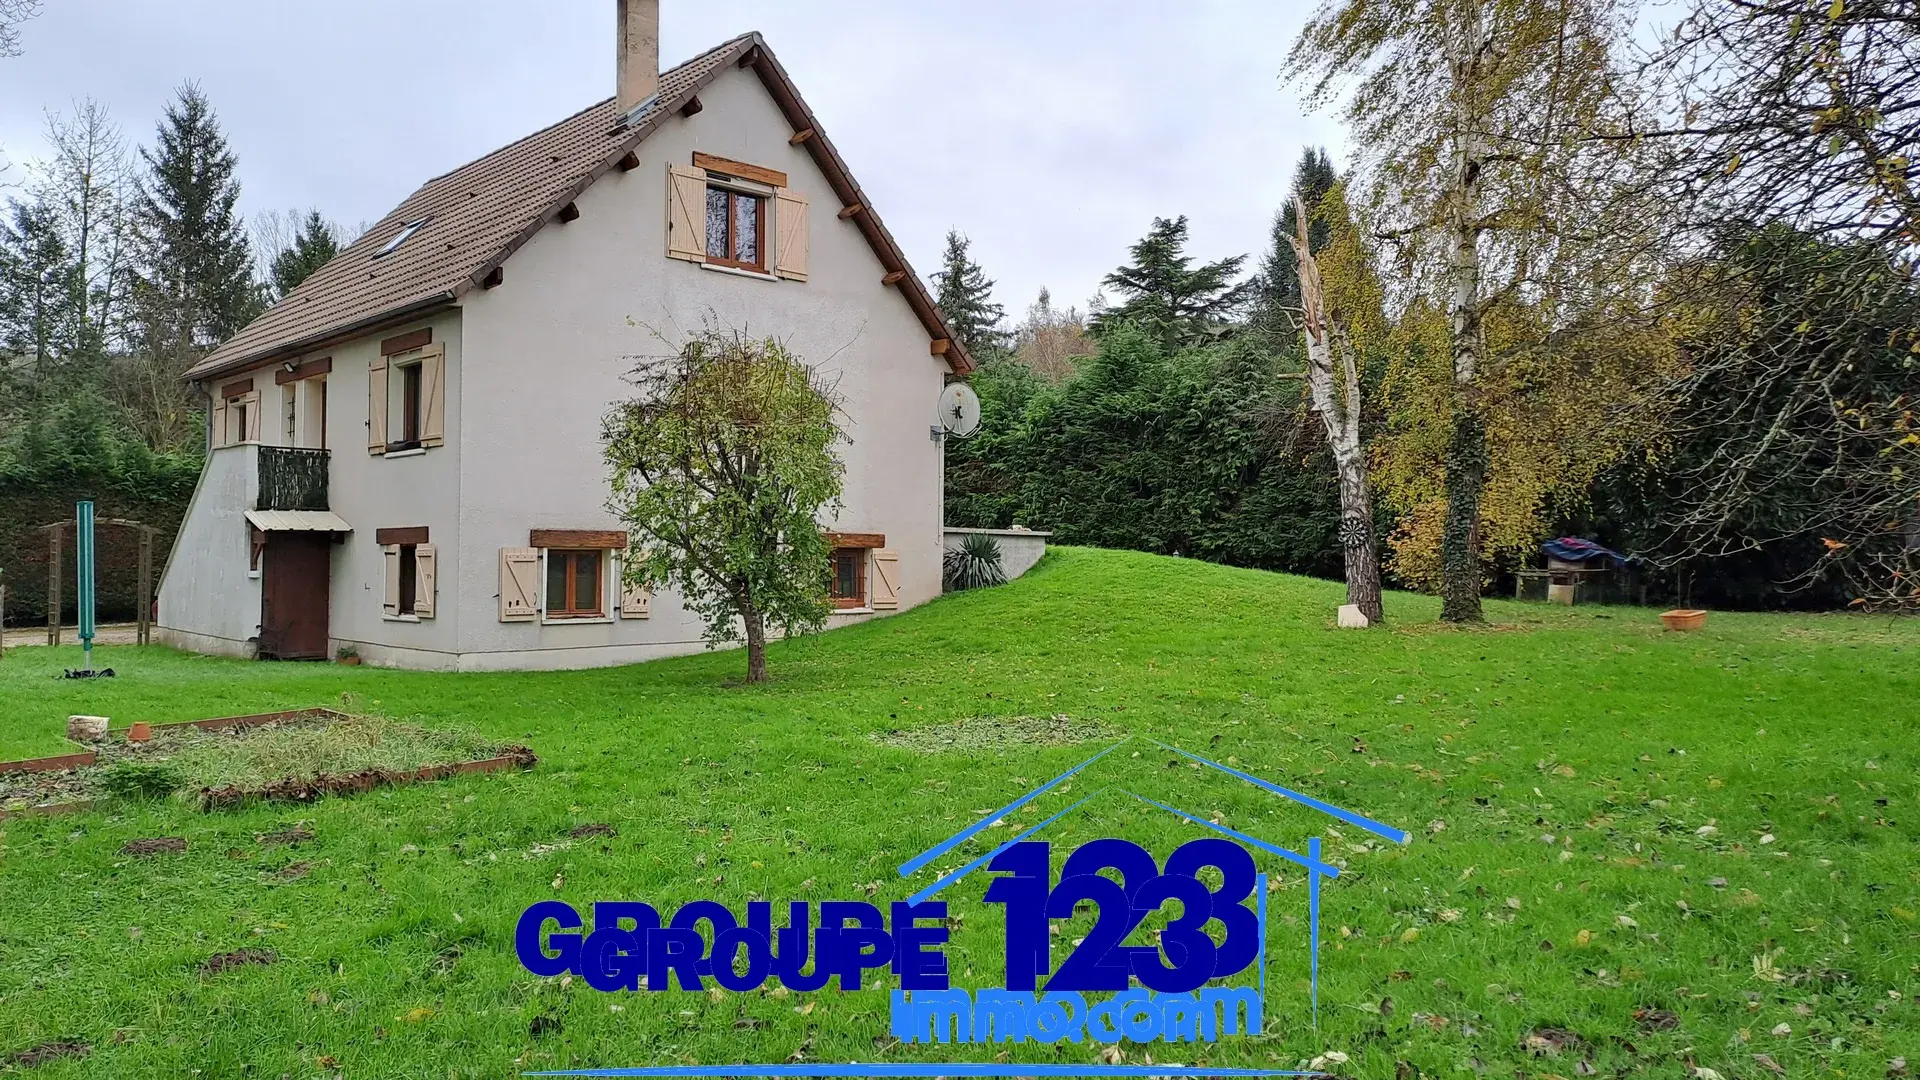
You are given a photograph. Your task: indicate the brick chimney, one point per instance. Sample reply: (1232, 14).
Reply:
(639, 51)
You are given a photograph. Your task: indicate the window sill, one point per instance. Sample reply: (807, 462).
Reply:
(851, 611)
(577, 620)
(758, 275)
(384, 617)
(417, 451)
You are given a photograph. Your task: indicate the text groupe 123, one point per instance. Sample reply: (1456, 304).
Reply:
(629, 947)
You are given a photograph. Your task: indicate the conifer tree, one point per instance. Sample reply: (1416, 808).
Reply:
(195, 285)
(312, 247)
(35, 266)
(1166, 295)
(966, 299)
(1276, 290)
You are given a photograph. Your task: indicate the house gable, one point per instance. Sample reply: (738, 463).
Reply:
(469, 222)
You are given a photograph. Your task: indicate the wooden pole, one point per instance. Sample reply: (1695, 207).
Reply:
(3, 618)
(53, 584)
(143, 592)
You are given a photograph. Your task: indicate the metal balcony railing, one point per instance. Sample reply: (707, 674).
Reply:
(292, 479)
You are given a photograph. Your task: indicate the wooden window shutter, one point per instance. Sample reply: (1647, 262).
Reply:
(390, 597)
(686, 213)
(519, 584)
(423, 570)
(433, 393)
(252, 401)
(219, 421)
(790, 225)
(635, 600)
(377, 405)
(886, 579)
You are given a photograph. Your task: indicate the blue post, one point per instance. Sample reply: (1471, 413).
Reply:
(1260, 884)
(1313, 921)
(83, 569)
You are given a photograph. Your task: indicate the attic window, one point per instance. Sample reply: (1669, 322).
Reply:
(401, 237)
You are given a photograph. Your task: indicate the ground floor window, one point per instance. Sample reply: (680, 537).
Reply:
(848, 586)
(409, 578)
(574, 584)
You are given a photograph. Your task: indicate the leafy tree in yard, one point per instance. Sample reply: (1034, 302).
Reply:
(1166, 295)
(966, 299)
(1483, 135)
(1794, 428)
(722, 465)
(195, 286)
(312, 247)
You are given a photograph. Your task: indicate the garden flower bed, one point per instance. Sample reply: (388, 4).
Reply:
(300, 755)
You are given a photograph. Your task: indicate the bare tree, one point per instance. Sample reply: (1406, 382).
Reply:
(1052, 340)
(1337, 400)
(12, 14)
(88, 181)
(1800, 112)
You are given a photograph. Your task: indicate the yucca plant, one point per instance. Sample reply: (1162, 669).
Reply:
(975, 563)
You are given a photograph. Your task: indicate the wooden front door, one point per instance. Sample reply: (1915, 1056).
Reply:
(297, 579)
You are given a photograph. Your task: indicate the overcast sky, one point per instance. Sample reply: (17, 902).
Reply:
(1051, 132)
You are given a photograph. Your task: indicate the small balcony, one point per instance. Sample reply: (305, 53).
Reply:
(292, 479)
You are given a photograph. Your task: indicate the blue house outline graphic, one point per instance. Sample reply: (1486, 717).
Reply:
(1315, 867)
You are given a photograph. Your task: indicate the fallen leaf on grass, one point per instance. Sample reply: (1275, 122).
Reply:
(1112, 1055)
(45, 1052)
(1331, 1057)
(220, 962)
(1897, 1068)
(1656, 1019)
(297, 835)
(1766, 1062)
(1583, 938)
(415, 1016)
(1550, 1041)
(327, 1061)
(158, 845)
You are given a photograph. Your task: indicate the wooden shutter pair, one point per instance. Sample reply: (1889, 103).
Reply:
(520, 589)
(687, 222)
(423, 580)
(433, 398)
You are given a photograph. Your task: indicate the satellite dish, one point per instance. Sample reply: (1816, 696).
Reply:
(959, 410)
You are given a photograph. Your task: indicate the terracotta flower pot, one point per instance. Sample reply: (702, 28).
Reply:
(350, 661)
(141, 731)
(1684, 619)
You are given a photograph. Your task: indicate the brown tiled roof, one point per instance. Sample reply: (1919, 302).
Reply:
(479, 214)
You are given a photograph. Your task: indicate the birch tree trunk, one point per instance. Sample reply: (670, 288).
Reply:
(1466, 456)
(1339, 409)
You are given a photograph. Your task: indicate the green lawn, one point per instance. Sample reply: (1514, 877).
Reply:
(1556, 769)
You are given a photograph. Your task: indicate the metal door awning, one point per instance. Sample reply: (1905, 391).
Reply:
(298, 521)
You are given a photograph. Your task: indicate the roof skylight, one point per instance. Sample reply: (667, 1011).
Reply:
(401, 237)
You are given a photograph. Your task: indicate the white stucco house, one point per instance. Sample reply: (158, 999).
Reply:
(406, 452)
